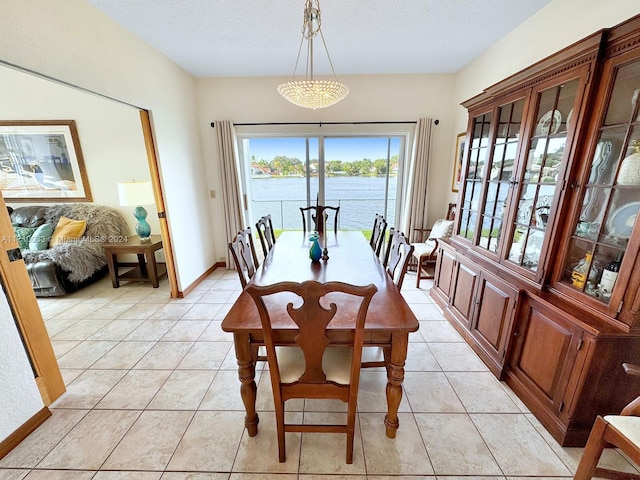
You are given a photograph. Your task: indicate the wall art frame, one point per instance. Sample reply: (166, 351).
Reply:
(41, 161)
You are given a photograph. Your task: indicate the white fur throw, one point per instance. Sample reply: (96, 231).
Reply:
(102, 222)
(81, 258)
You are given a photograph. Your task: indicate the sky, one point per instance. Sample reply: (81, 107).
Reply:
(347, 149)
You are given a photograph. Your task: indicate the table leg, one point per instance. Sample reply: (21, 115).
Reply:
(142, 263)
(112, 262)
(247, 373)
(395, 377)
(153, 270)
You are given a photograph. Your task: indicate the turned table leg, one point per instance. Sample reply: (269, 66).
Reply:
(395, 377)
(246, 372)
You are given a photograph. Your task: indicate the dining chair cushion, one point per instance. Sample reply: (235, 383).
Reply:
(336, 364)
(441, 229)
(424, 248)
(628, 425)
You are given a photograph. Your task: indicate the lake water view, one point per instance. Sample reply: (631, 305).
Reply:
(359, 199)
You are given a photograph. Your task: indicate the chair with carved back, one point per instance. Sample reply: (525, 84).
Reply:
(397, 257)
(266, 234)
(620, 431)
(313, 368)
(244, 256)
(320, 211)
(396, 261)
(377, 234)
(425, 244)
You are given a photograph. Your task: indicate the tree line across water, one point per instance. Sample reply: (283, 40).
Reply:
(283, 165)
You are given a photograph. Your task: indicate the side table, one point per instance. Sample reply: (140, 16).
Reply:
(145, 270)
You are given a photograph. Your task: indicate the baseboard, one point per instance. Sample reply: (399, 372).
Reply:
(198, 281)
(13, 440)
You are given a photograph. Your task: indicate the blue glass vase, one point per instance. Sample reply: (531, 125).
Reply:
(315, 252)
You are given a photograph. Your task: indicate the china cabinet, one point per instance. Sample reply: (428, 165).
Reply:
(541, 276)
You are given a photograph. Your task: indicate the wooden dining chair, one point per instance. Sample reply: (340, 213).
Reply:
(425, 244)
(244, 256)
(320, 211)
(266, 234)
(314, 368)
(397, 256)
(619, 431)
(377, 234)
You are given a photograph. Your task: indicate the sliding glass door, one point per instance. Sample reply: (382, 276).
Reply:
(361, 175)
(357, 173)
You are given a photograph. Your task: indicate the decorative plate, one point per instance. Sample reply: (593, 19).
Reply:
(549, 123)
(621, 222)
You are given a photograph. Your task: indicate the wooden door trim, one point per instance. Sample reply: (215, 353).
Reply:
(26, 311)
(167, 244)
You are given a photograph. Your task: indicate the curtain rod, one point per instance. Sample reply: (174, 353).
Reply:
(213, 124)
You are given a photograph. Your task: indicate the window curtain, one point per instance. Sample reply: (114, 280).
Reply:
(415, 201)
(231, 192)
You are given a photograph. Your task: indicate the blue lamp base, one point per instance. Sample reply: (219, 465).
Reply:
(143, 229)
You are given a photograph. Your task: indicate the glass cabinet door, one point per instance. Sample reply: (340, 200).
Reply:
(473, 171)
(537, 183)
(610, 195)
(500, 172)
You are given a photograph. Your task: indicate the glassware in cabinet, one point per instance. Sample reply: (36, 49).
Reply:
(611, 191)
(539, 179)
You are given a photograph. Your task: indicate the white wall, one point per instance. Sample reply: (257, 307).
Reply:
(109, 132)
(371, 98)
(73, 41)
(19, 396)
(556, 26)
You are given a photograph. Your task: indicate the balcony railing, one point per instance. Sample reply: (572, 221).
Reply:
(354, 214)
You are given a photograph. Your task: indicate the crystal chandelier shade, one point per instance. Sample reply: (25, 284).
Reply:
(310, 93)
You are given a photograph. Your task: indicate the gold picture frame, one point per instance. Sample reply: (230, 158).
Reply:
(41, 161)
(457, 164)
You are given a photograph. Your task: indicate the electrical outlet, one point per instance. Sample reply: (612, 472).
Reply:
(212, 193)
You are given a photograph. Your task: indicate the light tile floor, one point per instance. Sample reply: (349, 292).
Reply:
(153, 394)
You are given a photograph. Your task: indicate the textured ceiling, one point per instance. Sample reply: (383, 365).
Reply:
(222, 38)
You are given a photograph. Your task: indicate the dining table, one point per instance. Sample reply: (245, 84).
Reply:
(349, 259)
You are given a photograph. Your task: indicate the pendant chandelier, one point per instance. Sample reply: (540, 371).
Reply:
(310, 93)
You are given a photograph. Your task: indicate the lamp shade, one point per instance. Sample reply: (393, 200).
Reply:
(135, 193)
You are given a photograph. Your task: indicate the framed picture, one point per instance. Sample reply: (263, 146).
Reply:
(457, 165)
(41, 161)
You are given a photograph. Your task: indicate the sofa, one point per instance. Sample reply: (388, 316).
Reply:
(65, 266)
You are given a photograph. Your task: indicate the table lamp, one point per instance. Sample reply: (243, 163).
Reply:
(137, 194)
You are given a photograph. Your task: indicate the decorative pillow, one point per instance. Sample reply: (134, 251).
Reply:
(40, 238)
(23, 234)
(441, 229)
(67, 230)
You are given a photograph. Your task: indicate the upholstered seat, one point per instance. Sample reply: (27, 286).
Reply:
(336, 364)
(619, 431)
(425, 252)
